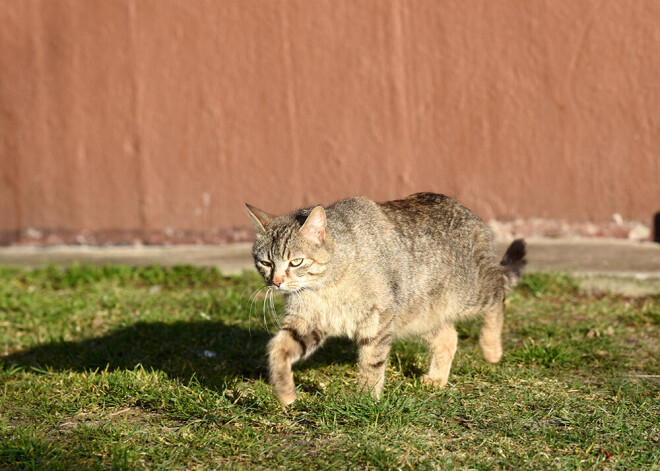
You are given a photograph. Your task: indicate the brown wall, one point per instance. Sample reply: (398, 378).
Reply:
(146, 115)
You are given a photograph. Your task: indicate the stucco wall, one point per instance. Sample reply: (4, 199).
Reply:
(157, 115)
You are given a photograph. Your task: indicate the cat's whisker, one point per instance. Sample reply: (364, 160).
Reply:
(254, 295)
(274, 311)
(250, 286)
(270, 308)
(252, 307)
(264, 310)
(263, 324)
(248, 304)
(253, 299)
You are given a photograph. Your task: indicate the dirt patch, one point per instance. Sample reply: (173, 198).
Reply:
(99, 418)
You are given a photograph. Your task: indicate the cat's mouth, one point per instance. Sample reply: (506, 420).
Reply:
(285, 288)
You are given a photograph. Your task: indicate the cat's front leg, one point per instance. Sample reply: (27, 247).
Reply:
(287, 347)
(372, 357)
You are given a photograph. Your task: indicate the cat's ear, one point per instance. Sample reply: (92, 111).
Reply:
(314, 228)
(258, 217)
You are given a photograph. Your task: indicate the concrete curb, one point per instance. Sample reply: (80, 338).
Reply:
(587, 258)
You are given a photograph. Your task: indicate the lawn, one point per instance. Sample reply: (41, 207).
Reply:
(163, 368)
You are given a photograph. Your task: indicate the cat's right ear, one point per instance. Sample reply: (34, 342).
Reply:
(258, 217)
(314, 228)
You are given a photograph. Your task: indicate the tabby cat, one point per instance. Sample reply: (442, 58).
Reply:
(379, 271)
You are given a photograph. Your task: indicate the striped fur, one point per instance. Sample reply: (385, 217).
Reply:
(379, 271)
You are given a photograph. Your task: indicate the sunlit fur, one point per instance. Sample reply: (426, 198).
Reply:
(377, 271)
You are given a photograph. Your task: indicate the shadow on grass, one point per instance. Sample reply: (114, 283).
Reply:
(213, 352)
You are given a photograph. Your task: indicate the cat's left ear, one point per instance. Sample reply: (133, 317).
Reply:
(314, 228)
(258, 217)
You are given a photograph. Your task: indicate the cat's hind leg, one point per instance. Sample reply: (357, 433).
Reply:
(490, 338)
(442, 344)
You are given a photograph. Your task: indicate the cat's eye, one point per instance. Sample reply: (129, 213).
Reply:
(296, 262)
(266, 263)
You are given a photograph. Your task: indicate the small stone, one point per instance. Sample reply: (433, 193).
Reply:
(33, 233)
(617, 219)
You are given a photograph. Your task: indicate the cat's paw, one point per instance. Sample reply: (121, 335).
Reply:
(287, 399)
(493, 357)
(491, 353)
(491, 349)
(435, 382)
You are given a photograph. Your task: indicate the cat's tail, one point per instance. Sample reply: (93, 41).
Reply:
(513, 263)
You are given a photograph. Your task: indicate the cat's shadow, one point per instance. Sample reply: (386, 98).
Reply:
(214, 352)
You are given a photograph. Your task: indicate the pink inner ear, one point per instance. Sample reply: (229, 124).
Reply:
(314, 227)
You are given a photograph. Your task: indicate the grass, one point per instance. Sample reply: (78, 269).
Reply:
(163, 368)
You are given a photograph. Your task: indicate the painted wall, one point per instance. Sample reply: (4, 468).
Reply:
(156, 116)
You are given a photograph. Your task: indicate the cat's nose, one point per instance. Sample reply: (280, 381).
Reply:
(277, 282)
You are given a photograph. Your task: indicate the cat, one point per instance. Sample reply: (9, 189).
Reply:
(379, 271)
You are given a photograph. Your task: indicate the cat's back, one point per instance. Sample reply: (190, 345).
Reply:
(434, 216)
(444, 240)
(421, 219)
(449, 256)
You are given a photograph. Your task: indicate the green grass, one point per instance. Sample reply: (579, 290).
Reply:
(163, 368)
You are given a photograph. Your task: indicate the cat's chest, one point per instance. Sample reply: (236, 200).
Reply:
(333, 311)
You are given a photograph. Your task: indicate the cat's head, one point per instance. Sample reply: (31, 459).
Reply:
(292, 252)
